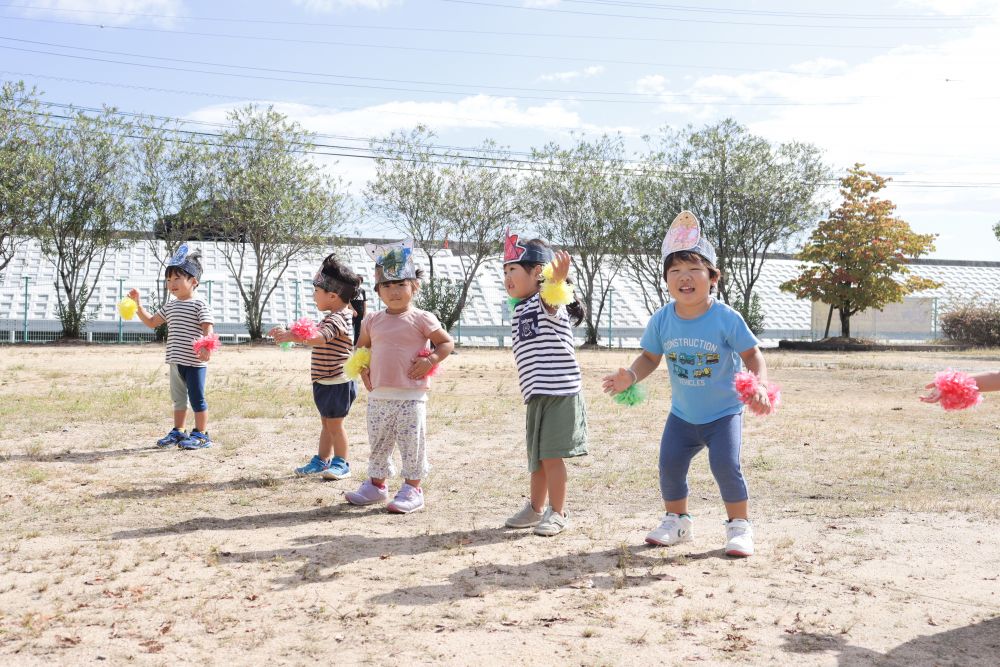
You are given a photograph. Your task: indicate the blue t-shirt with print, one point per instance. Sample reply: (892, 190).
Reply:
(702, 357)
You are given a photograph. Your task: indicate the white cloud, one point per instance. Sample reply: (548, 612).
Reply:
(108, 12)
(541, 3)
(586, 72)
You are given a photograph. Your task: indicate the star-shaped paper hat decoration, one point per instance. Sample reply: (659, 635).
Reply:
(187, 260)
(514, 250)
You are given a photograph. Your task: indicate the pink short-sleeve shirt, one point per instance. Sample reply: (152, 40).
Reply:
(396, 341)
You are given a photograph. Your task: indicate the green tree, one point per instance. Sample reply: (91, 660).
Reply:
(273, 204)
(408, 188)
(172, 190)
(22, 166)
(86, 206)
(857, 257)
(479, 202)
(751, 196)
(578, 200)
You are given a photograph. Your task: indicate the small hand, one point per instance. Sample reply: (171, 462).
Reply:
(421, 366)
(280, 335)
(760, 404)
(617, 382)
(366, 378)
(204, 354)
(934, 396)
(134, 295)
(560, 266)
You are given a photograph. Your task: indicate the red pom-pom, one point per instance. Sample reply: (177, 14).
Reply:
(303, 329)
(426, 352)
(746, 384)
(210, 342)
(957, 390)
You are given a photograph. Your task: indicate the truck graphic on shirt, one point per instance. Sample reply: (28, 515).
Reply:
(686, 359)
(703, 372)
(679, 371)
(711, 358)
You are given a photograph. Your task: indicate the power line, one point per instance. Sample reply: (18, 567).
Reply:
(456, 31)
(535, 166)
(762, 12)
(483, 3)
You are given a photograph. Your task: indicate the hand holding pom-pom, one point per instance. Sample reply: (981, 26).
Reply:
(632, 396)
(127, 308)
(359, 360)
(748, 387)
(954, 390)
(304, 329)
(209, 343)
(424, 353)
(557, 293)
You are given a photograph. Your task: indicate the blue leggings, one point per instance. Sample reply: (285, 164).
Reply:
(187, 383)
(682, 440)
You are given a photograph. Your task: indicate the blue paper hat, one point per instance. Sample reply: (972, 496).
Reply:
(685, 234)
(394, 259)
(187, 260)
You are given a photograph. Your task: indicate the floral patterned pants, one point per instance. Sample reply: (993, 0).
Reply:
(394, 423)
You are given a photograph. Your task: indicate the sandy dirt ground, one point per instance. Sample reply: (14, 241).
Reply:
(877, 519)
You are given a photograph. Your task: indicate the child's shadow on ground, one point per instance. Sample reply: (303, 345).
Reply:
(84, 457)
(977, 644)
(251, 522)
(620, 567)
(181, 488)
(323, 554)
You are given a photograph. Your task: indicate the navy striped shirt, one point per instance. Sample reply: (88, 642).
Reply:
(184, 320)
(544, 350)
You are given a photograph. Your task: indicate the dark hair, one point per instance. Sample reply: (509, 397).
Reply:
(693, 258)
(576, 310)
(332, 268)
(414, 282)
(171, 270)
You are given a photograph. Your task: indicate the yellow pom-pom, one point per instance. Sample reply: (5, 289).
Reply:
(357, 362)
(557, 294)
(547, 271)
(127, 308)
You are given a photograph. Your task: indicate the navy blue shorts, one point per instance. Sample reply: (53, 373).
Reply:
(334, 400)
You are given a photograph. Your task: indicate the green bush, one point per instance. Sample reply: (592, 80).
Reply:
(754, 315)
(977, 324)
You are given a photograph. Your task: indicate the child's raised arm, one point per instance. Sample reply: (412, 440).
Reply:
(640, 369)
(151, 321)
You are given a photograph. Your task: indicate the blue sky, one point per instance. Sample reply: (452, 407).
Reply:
(907, 87)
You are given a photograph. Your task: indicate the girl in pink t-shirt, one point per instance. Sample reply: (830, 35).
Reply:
(397, 382)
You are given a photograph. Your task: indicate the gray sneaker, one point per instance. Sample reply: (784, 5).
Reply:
(526, 518)
(552, 523)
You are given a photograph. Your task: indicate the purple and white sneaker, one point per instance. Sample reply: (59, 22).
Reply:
(367, 494)
(409, 499)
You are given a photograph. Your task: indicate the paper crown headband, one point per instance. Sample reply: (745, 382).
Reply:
(395, 260)
(343, 290)
(187, 260)
(514, 250)
(685, 234)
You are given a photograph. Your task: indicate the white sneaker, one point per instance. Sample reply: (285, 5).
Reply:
(408, 499)
(526, 518)
(367, 494)
(674, 529)
(552, 523)
(739, 538)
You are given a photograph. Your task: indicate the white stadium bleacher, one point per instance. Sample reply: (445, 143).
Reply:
(485, 320)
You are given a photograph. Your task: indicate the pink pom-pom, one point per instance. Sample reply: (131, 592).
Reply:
(426, 352)
(957, 390)
(304, 329)
(746, 384)
(210, 342)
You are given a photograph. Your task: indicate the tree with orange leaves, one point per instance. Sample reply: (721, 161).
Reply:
(857, 257)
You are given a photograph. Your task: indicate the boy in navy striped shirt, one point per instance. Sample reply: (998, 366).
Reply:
(187, 319)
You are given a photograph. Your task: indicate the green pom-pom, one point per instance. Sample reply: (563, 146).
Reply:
(286, 345)
(634, 395)
(513, 301)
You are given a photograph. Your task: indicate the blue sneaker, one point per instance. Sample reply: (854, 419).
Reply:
(314, 466)
(197, 440)
(338, 469)
(171, 439)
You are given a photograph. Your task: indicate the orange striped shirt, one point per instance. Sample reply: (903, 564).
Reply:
(328, 358)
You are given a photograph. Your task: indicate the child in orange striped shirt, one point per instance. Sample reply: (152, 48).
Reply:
(334, 287)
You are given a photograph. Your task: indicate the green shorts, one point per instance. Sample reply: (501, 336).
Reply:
(556, 428)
